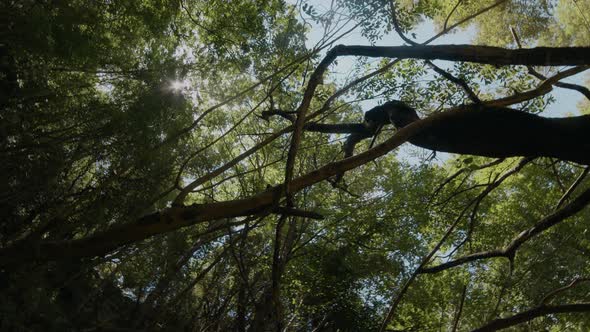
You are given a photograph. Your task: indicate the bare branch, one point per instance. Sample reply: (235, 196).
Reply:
(460, 309)
(582, 89)
(398, 297)
(451, 14)
(464, 170)
(326, 128)
(495, 184)
(509, 251)
(554, 293)
(474, 15)
(445, 29)
(543, 88)
(573, 187)
(396, 25)
(238, 174)
(448, 232)
(461, 83)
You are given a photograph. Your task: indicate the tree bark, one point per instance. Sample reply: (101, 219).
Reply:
(538, 56)
(503, 132)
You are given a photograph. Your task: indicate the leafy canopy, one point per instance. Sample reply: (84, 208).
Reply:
(119, 117)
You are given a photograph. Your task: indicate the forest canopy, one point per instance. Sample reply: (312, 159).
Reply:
(272, 165)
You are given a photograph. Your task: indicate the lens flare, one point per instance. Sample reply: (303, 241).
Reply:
(178, 85)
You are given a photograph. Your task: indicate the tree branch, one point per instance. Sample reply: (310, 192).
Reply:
(582, 89)
(525, 316)
(554, 293)
(461, 171)
(460, 308)
(509, 251)
(467, 18)
(396, 25)
(573, 187)
(461, 83)
(538, 56)
(543, 88)
(451, 14)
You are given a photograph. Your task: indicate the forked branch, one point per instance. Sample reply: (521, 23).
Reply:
(509, 251)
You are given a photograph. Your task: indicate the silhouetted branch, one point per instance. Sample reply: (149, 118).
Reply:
(572, 284)
(463, 170)
(573, 187)
(460, 309)
(525, 316)
(582, 89)
(543, 88)
(461, 83)
(509, 251)
(451, 14)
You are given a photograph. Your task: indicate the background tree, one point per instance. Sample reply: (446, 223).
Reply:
(179, 165)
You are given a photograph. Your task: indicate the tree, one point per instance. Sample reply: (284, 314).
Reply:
(177, 165)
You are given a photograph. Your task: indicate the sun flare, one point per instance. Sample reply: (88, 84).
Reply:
(178, 85)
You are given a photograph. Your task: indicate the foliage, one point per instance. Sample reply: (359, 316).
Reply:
(110, 110)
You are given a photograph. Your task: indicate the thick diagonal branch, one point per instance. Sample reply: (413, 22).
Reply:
(525, 316)
(538, 56)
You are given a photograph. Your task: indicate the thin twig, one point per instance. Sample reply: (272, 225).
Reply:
(582, 89)
(460, 309)
(396, 25)
(554, 293)
(461, 171)
(509, 251)
(451, 13)
(573, 187)
(496, 4)
(397, 299)
(545, 87)
(461, 83)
